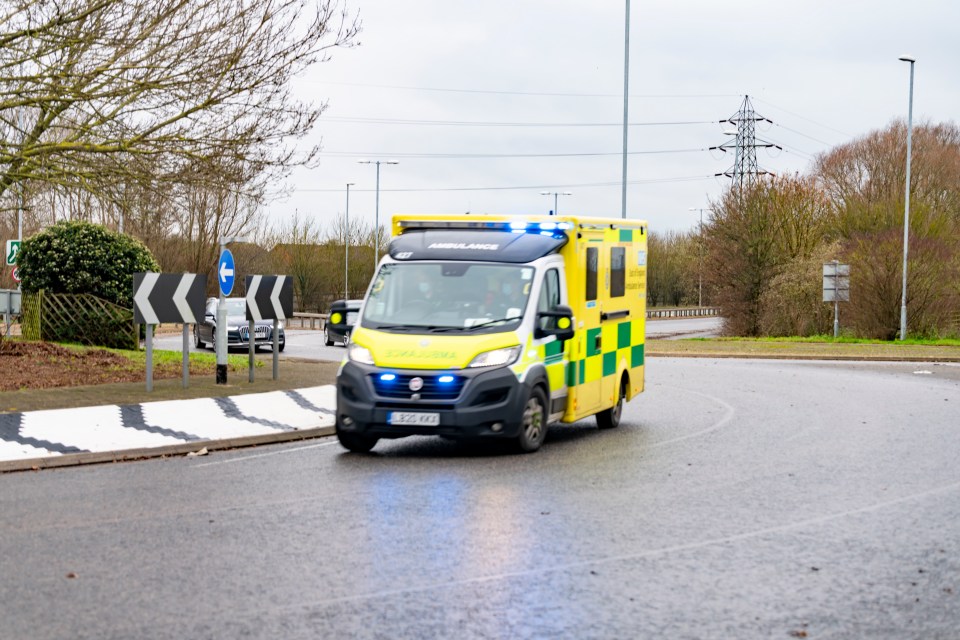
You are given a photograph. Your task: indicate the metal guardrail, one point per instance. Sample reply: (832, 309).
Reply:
(684, 312)
(313, 318)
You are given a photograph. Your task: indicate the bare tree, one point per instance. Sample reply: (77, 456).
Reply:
(134, 92)
(865, 183)
(753, 236)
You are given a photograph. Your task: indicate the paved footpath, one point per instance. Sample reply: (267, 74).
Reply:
(61, 437)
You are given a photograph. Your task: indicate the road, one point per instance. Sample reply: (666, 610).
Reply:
(739, 499)
(301, 343)
(307, 344)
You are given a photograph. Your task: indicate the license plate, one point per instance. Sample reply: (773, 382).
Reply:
(414, 419)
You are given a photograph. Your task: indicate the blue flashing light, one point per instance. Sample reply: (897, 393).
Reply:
(388, 377)
(445, 379)
(548, 226)
(518, 226)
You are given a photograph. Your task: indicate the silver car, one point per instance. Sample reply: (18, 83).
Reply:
(238, 327)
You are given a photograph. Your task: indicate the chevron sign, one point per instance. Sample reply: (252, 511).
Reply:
(168, 297)
(269, 297)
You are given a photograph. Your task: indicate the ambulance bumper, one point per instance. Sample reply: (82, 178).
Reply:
(394, 403)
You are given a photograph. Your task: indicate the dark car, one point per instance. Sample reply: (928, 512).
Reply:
(238, 327)
(350, 309)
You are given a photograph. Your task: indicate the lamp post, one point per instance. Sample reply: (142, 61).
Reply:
(346, 247)
(626, 109)
(700, 256)
(555, 194)
(376, 219)
(906, 205)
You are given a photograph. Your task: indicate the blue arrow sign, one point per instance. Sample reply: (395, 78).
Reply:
(225, 272)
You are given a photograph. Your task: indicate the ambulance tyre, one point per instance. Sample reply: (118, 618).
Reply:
(356, 442)
(533, 429)
(610, 418)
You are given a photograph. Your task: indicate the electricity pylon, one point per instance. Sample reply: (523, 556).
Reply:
(745, 169)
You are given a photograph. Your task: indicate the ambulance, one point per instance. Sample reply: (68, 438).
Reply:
(494, 327)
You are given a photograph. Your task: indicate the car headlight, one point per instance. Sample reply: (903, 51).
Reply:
(496, 358)
(356, 353)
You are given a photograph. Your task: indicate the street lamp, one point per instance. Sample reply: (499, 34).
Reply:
(700, 257)
(555, 194)
(346, 247)
(626, 107)
(376, 223)
(906, 205)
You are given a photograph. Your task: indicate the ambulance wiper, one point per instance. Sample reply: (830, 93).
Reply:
(442, 328)
(487, 323)
(397, 327)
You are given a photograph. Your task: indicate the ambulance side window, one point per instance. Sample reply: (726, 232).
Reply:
(591, 273)
(550, 291)
(618, 273)
(549, 297)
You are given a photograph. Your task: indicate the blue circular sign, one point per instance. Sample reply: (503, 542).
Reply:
(225, 271)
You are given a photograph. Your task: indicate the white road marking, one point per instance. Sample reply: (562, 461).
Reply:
(264, 455)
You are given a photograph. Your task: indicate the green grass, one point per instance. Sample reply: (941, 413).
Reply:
(828, 339)
(164, 357)
(816, 347)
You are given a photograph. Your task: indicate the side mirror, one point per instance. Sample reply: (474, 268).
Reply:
(337, 320)
(558, 321)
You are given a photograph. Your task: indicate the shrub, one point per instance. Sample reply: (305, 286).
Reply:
(81, 257)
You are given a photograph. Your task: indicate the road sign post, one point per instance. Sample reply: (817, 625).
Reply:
(269, 297)
(168, 297)
(225, 276)
(836, 289)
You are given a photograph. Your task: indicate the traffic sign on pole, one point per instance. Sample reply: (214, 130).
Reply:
(269, 297)
(225, 272)
(13, 250)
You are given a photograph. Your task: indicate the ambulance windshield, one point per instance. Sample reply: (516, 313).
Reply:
(447, 296)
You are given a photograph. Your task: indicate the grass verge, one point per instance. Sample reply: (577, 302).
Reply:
(817, 347)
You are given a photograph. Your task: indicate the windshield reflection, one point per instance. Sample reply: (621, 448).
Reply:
(447, 296)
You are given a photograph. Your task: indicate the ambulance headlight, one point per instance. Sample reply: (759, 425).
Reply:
(496, 358)
(356, 353)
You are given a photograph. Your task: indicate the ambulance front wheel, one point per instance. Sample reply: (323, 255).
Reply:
(533, 428)
(356, 442)
(610, 418)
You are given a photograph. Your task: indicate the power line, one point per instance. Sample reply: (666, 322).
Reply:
(447, 156)
(797, 115)
(529, 93)
(584, 185)
(468, 123)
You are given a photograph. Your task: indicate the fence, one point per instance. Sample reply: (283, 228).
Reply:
(80, 318)
(683, 312)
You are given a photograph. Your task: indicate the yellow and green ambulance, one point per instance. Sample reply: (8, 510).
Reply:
(482, 326)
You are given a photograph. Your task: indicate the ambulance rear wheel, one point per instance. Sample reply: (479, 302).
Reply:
(356, 442)
(610, 418)
(533, 429)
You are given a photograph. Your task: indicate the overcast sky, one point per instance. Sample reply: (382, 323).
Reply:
(488, 103)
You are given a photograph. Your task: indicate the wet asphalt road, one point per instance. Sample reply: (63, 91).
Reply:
(740, 499)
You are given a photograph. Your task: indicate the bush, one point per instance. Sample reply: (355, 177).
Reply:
(792, 304)
(81, 257)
